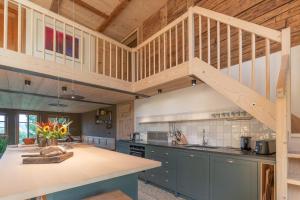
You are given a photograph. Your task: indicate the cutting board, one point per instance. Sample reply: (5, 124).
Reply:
(37, 159)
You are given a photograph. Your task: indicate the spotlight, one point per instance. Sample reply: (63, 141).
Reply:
(64, 88)
(137, 97)
(27, 82)
(159, 91)
(194, 82)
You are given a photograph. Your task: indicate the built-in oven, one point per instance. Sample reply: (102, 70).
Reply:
(137, 150)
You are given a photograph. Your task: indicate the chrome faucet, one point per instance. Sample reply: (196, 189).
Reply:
(204, 139)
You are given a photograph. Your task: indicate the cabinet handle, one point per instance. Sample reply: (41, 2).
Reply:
(167, 153)
(152, 175)
(230, 161)
(167, 162)
(192, 155)
(167, 180)
(167, 171)
(152, 151)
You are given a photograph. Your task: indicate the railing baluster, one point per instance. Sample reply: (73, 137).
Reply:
(165, 56)
(127, 66)
(218, 45)
(183, 41)
(54, 40)
(240, 55)
(208, 40)
(176, 45)
(116, 62)
(110, 59)
(267, 68)
(64, 43)
(103, 60)
(43, 36)
(191, 36)
(90, 53)
(5, 24)
(159, 56)
(228, 49)
(122, 64)
(19, 26)
(137, 65)
(31, 31)
(97, 55)
(253, 61)
(141, 64)
(81, 50)
(170, 46)
(149, 60)
(73, 48)
(200, 37)
(145, 61)
(154, 54)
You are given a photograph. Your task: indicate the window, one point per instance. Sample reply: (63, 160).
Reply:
(27, 126)
(2, 124)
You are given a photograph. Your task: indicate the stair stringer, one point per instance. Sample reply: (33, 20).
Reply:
(258, 106)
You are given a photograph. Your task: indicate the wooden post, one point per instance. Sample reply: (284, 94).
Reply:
(110, 59)
(122, 64)
(267, 68)
(31, 31)
(54, 39)
(253, 61)
(191, 34)
(133, 66)
(159, 64)
(218, 46)
(5, 24)
(97, 54)
(240, 56)
(43, 36)
(176, 44)
(81, 50)
(200, 37)
(170, 47)
(228, 49)
(283, 115)
(103, 66)
(208, 40)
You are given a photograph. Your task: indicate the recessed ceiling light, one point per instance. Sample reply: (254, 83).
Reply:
(71, 96)
(159, 91)
(27, 82)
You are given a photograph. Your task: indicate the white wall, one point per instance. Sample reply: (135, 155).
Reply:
(202, 98)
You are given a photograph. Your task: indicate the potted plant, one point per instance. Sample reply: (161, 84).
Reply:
(3, 144)
(50, 132)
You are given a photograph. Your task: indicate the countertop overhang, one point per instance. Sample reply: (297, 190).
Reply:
(88, 165)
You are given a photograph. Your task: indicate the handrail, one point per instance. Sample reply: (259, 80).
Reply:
(238, 23)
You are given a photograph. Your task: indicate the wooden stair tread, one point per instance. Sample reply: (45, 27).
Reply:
(114, 195)
(293, 179)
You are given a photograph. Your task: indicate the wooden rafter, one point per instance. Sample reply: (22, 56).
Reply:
(113, 15)
(91, 8)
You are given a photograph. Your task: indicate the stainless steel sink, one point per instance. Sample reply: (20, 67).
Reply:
(200, 146)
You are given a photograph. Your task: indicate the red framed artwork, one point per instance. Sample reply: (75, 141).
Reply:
(60, 42)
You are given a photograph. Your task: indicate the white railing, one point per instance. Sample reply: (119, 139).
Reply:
(49, 36)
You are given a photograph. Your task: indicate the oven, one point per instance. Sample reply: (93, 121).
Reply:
(137, 150)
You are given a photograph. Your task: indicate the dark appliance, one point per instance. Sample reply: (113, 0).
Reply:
(245, 143)
(137, 150)
(265, 147)
(135, 136)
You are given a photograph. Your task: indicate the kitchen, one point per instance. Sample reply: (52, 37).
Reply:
(137, 99)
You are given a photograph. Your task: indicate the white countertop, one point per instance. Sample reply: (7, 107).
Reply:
(88, 165)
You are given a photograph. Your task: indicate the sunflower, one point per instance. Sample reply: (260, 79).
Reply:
(63, 130)
(46, 128)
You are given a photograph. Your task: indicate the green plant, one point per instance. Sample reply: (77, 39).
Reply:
(3, 144)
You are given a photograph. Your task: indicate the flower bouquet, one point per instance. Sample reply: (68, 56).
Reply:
(50, 132)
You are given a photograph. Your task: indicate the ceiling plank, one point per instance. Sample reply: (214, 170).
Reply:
(113, 15)
(55, 5)
(91, 8)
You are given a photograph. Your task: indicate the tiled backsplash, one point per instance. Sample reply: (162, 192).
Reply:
(218, 132)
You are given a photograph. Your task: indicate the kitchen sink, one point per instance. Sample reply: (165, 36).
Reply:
(200, 146)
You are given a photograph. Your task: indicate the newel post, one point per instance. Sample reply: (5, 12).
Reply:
(283, 116)
(191, 34)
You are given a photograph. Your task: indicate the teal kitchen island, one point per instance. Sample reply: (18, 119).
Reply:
(89, 172)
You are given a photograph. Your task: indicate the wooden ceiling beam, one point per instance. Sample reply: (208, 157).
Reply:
(113, 15)
(91, 8)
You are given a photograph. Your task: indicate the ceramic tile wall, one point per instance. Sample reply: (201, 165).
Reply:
(218, 132)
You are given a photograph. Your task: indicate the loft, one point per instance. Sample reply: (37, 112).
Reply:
(201, 44)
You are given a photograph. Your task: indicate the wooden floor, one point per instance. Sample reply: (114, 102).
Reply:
(150, 192)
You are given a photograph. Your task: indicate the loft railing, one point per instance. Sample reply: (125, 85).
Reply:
(35, 31)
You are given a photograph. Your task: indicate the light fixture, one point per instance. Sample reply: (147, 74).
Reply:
(72, 96)
(194, 82)
(57, 105)
(27, 83)
(137, 97)
(159, 91)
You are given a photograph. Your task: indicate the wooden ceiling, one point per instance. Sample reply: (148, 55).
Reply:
(42, 92)
(114, 18)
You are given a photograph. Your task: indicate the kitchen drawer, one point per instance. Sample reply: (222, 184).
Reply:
(163, 155)
(163, 179)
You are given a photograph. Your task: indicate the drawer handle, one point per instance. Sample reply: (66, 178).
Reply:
(167, 153)
(152, 151)
(192, 155)
(230, 161)
(152, 175)
(167, 180)
(167, 162)
(167, 171)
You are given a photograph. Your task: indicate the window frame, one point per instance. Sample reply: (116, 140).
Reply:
(27, 122)
(5, 124)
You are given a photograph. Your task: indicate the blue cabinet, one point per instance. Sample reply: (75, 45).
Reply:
(193, 174)
(233, 179)
(123, 147)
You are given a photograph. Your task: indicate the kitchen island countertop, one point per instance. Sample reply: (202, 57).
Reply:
(88, 165)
